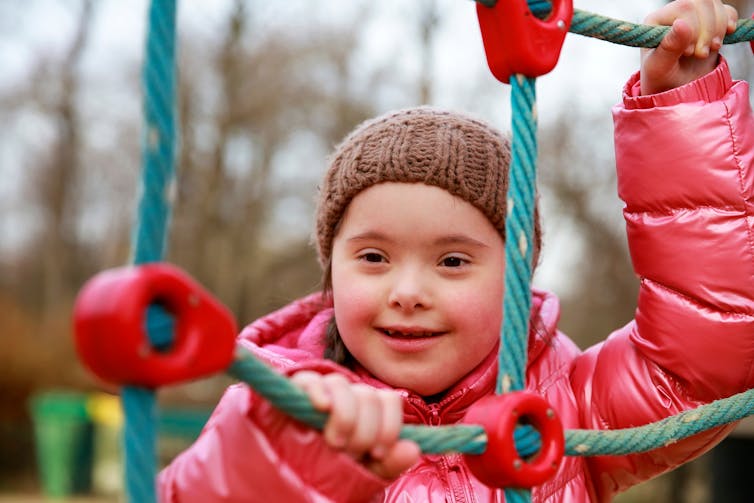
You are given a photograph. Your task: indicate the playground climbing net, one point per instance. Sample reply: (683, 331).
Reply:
(112, 346)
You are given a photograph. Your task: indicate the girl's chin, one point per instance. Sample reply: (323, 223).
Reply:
(430, 388)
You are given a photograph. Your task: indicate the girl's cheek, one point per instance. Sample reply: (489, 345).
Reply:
(353, 299)
(347, 307)
(348, 284)
(473, 309)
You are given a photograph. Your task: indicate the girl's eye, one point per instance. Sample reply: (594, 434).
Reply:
(372, 257)
(452, 261)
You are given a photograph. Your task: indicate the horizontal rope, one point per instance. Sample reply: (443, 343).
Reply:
(472, 439)
(625, 33)
(640, 35)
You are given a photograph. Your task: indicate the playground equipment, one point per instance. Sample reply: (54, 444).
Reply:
(156, 318)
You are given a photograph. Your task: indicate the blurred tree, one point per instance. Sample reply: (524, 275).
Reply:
(275, 92)
(260, 108)
(56, 90)
(428, 24)
(584, 229)
(34, 305)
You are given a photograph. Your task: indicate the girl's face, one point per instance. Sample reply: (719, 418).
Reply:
(417, 280)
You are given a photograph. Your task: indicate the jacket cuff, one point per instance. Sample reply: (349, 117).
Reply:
(708, 88)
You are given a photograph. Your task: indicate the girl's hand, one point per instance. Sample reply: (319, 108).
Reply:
(364, 422)
(690, 48)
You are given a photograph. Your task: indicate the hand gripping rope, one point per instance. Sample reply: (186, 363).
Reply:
(150, 325)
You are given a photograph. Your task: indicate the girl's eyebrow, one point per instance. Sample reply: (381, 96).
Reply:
(450, 239)
(460, 239)
(371, 236)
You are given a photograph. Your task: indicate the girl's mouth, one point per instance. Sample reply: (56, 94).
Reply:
(410, 340)
(413, 334)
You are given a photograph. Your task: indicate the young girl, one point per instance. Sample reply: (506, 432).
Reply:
(410, 230)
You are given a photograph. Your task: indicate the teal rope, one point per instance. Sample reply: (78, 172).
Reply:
(640, 35)
(518, 238)
(158, 135)
(472, 439)
(620, 32)
(660, 433)
(140, 440)
(519, 231)
(149, 237)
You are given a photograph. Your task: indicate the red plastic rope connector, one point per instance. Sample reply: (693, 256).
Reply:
(517, 42)
(500, 465)
(111, 333)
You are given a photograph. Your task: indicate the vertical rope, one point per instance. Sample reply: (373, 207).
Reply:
(149, 236)
(140, 441)
(517, 495)
(158, 135)
(519, 230)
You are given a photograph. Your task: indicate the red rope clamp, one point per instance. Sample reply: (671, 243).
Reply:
(500, 465)
(111, 334)
(517, 42)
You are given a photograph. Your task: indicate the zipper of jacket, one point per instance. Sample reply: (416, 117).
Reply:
(434, 414)
(457, 482)
(431, 412)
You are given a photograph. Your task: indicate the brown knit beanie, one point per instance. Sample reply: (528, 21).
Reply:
(460, 154)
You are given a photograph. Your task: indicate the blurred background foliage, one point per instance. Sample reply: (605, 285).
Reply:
(264, 96)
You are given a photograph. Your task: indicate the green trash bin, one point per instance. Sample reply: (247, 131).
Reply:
(64, 439)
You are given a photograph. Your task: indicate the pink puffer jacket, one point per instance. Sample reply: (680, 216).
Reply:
(684, 165)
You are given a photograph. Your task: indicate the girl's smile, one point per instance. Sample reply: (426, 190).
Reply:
(410, 340)
(411, 333)
(417, 278)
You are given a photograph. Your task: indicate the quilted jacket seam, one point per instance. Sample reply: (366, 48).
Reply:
(696, 302)
(747, 211)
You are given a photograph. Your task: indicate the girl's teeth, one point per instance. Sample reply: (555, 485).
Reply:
(395, 333)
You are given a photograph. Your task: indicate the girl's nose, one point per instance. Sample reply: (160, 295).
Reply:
(408, 292)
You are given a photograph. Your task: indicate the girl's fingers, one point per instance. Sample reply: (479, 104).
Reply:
(401, 456)
(364, 422)
(721, 25)
(661, 63)
(343, 412)
(707, 21)
(714, 20)
(391, 407)
(368, 421)
(312, 384)
(678, 41)
(732, 18)
(669, 14)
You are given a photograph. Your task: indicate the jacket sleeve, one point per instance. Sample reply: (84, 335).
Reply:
(684, 161)
(250, 452)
